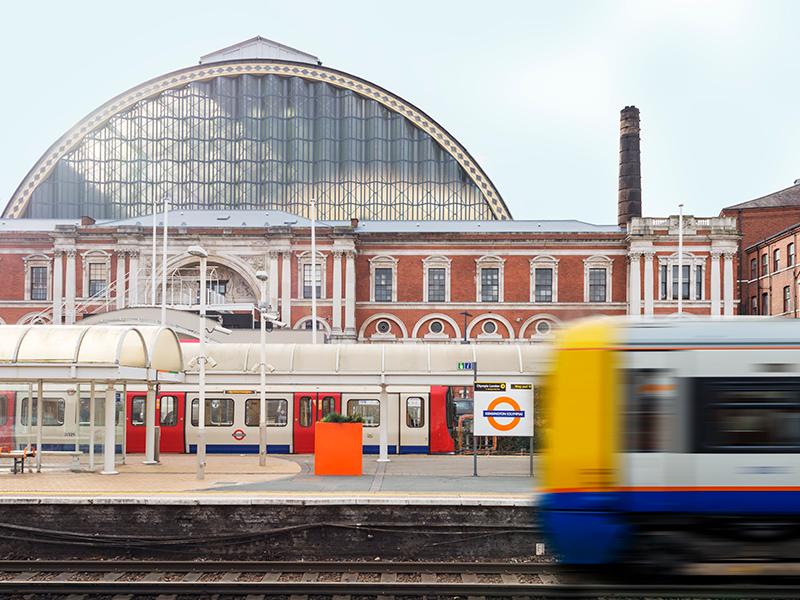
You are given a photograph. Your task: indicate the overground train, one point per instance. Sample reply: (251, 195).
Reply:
(673, 441)
(305, 383)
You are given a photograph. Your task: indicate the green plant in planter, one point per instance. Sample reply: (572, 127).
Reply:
(340, 418)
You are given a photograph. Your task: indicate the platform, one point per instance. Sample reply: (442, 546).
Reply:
(238, 479)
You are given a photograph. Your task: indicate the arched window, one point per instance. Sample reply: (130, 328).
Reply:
(597, 279)
(383, 279)
(544, 279)
(436, 270)
(489, 279)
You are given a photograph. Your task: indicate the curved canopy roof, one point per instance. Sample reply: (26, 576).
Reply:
(260, 134)
(138, 347)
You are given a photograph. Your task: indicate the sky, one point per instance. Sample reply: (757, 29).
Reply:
(532, 89)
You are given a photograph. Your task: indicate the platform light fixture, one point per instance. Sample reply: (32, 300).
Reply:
(200, 252)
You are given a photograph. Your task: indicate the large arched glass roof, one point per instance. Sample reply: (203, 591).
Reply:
(259, 135)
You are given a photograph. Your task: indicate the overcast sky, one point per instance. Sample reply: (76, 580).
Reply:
(532, 89)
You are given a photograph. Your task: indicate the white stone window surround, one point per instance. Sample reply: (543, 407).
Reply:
(303, 259)
(436, 262)
(397, 330)
(500, 320)
(95, 257)
(544, 261)
(692, 261)
(528, 329)
(382, 261)
(598, 261)
(323, 323)
(39, 260)
(424, 324)
(489, 261)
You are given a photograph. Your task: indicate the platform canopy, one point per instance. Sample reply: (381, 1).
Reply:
(400, 364)
(89, 353)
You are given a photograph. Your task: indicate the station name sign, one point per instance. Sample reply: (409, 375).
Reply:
(503, 408)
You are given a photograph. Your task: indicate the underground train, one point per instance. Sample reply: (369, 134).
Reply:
(304, 385)
(673, 441)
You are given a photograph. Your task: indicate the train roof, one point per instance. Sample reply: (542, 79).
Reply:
(690, 331)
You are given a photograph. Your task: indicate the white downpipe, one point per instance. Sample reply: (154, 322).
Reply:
(314, 271)
(164, 265)
(109, 468)
(680, 259)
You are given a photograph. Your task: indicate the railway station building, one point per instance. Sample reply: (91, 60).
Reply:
(413, 240)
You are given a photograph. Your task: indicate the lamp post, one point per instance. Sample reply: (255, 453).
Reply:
(164, 264)
(465, 314)
(262, 420)
(200, 253)
(314, 271)
(680, 259)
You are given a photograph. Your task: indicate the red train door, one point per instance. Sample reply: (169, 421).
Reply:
(309, 408)
(170, 416)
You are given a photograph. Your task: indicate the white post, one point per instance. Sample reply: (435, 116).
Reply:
(337, 293)
(77, 417)
(164, 265)
(120, 286)
(91, 425)
(313, 271)
(153, 258)
(648, 283)
(634, 285)
(383, 430)
(715, 281)
(350, 294)
(680, 259)
(29, 426)
(201, 416)
(727, 289)
(58, 285)
(150, 426)
(39, 419)
(123, 421)
(262, 404)
(273, 280)
(109, 468)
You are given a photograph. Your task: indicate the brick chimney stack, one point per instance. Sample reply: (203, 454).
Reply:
(629, 203)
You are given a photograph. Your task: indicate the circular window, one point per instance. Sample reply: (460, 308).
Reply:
(489, 327)
(543, 327)
(436, 327)
(383, 326)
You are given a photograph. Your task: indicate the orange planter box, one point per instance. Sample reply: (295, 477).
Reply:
(337, 449)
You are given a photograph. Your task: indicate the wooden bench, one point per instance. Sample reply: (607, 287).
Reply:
(18, 456)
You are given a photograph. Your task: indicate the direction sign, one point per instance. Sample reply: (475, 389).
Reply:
(503, 408)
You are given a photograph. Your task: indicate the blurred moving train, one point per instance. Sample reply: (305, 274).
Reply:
(304, 384)
(673, 441)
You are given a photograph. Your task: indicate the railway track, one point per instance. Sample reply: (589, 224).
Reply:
(170, 579)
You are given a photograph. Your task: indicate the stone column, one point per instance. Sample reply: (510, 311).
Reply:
(634, 283)
(648, 282)
(58, 286)
(350, 294)
(273, 280)
(715, 296)
(727, 287)
(286, 287)
(120, 285)
(70, 286)
(133, 278)
(337, 293)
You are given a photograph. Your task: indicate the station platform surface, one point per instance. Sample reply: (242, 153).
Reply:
(237, 479)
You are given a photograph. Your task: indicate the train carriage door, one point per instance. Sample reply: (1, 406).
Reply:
(305, 417)
(7, 420)
(134, 422)
(170, 416)
(414, 424)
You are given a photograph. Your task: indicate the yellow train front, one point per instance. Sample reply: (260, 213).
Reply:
(673, 438)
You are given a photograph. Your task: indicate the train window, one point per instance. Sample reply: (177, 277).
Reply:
(3, 409)
(647, 411)
(368, 410)
(306, 411)
(751, 416)
(137, 410)
(415, 412)
(169, 411)
(219, 412)
(277, 412)
(328, 405)
(53, 412)
(99, 411)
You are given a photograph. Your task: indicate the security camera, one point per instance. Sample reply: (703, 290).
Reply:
(278, 324)
(221, 329)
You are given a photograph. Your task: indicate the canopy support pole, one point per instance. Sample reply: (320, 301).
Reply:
(124, 420)
(383, 430)
(39, 419)
(109, 468)
(150, 426)
(77, 414)
(29, 425)
(91, 425)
